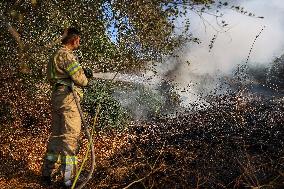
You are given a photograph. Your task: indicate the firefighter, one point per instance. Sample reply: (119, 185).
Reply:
(64, 72)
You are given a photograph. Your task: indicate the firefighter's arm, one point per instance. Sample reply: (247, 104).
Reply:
(79, 78)
(75, 71)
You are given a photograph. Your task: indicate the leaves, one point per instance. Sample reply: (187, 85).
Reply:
(116, 35)
(245, 12)
(111, 114)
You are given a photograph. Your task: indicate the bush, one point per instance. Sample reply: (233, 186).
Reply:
(111, 114)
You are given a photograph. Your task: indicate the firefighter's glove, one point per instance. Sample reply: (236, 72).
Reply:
(88, 72)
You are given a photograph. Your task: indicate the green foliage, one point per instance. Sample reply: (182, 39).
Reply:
(143, 31)
(141, 101)
(120, 103)
(116, 35)
(111, 114)
(152, 100)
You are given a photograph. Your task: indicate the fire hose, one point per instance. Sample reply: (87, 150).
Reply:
(90, 139)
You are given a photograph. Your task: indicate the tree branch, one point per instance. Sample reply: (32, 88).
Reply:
(13, 32)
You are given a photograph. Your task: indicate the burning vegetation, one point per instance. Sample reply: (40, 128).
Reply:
(233, 139)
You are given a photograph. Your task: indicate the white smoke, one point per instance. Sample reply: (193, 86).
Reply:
(230, 48)
(196, 71)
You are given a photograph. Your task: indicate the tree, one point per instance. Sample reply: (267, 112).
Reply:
(117, 35)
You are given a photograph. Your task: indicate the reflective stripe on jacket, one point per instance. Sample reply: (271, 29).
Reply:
(68, 160)
(64, 68)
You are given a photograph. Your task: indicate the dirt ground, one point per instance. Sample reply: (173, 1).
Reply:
(220, 147)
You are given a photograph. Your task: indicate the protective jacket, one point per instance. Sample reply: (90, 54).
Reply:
(64, 68)
(64, 71)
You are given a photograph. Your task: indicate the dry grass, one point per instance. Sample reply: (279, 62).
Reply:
(226, 146)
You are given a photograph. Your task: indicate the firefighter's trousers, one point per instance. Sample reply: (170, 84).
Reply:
(65, 130)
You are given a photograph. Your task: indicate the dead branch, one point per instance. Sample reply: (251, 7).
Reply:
(13, 32)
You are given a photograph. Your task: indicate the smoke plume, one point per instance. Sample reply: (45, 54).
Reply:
(199, 67)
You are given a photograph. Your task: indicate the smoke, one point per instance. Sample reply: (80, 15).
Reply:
(232, 47)
(199, 68)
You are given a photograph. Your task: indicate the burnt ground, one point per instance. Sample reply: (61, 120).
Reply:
(235, 143)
